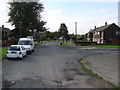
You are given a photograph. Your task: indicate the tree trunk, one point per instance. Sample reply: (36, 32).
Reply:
(63, 39)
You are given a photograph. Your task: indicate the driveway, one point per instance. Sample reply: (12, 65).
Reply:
(51, 66)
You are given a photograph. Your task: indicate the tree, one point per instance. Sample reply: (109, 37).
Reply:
(25, 16)
(63, 31)
(72, 37)
(81, 37)
(47, 35)
(40, 26)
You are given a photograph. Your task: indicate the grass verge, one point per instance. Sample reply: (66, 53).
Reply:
(37, 44)
(52, 40)
(65, 44)
(96, 75)
(105, 46)
(3, 53)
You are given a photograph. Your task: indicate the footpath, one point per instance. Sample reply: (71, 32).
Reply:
(105, 65)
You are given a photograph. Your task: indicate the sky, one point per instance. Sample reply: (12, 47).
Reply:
(86, 13)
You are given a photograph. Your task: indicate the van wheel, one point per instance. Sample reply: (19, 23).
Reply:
(21, 58)
(33, 50)
(30, 52)
(8, 58)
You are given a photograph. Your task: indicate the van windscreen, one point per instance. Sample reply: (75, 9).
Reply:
(24, 42)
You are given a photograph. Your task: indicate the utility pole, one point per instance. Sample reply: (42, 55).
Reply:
(76, 30)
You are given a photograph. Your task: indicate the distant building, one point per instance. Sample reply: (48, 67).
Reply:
(107, 34)
(4, 32)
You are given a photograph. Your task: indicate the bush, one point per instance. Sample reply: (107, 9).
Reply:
(85, 43)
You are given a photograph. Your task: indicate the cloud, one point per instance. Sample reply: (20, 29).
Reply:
(79, 0)
(84, 23)
(4, 14)
(96, 11)
(55, 11)
(55, 17)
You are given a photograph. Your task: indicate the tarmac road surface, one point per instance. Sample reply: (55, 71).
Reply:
(51, 66)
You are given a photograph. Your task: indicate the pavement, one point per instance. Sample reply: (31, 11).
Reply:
(105, 65)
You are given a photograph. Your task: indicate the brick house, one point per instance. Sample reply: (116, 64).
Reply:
(107, 34)
(5, 33)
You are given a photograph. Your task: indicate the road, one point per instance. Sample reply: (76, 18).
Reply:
(51, 66)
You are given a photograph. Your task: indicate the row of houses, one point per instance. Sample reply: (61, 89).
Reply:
(108, 34)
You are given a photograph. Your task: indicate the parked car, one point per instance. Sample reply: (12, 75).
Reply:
(27, 43)
(16, 51)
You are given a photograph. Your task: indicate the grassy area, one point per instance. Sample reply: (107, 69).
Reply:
(96, 75)
(37, 44)
(89, 71)
(3, 53)
(52, 40)
(105, 46)
(65, 44)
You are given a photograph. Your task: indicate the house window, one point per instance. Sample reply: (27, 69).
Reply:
(102, 41)
(98, 33)
(117, 33)
(95, 33)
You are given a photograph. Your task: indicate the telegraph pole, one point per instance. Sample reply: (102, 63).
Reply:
(76, 29)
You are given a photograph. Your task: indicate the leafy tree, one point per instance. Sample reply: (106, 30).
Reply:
(40, 26)
(72, 36)
(56, 35)
(63, 31)
(47, 35)
(25, 16)
(81, 37)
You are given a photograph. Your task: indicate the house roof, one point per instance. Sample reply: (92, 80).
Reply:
(101, 28)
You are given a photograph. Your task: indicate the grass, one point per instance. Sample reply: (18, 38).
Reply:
(105, 46)
(3, 53)
(52, 40)
(114, 86)
(37, 44)
(65, 44)
(89, 71)
(96, 75)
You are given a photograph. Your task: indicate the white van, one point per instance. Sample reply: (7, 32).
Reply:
(28, 43)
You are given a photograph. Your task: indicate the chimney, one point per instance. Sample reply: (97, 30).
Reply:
(2, 26)
(105, 23)
(95, 27)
